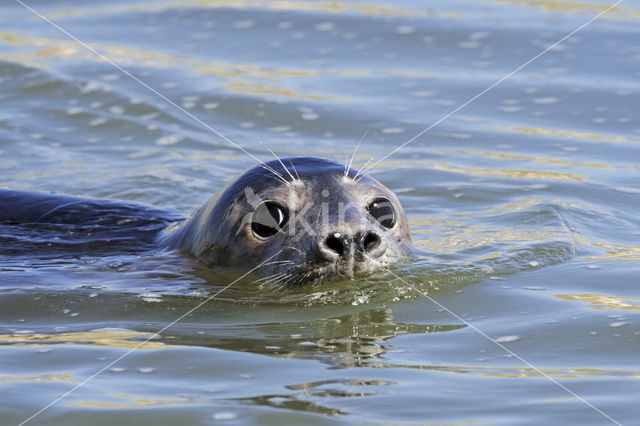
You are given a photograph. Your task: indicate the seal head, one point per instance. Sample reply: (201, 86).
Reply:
(310, 217)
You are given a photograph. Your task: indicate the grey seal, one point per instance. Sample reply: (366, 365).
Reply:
(313, 219)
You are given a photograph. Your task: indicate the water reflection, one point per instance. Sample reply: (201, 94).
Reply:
(602, 301)
(343, 341)
(362, 8)
(574, 134)
(504, 372)
(108, 338)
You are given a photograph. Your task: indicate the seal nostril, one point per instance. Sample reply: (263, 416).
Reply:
(371, 241)
(335, 244)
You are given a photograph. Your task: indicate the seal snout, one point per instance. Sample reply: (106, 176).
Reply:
(338, 246)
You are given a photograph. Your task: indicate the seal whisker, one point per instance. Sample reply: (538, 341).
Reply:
(278, 262)
(279, 286)
(362, 170)
(272, 289)
(288, 276)
(305, 277)
(286, 283)
(266, 280)
(362, 176)
(274, 280)
(272, 276)
(293, 248)
(346, 173)
(279, 160)
(278, 175)
(294, 169)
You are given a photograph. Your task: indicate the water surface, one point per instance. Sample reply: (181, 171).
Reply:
(525, 204)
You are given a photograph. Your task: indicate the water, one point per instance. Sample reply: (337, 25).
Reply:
(524, 202)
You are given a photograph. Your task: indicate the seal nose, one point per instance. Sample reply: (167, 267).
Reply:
(335, 243)
(340, 246)
(371, 242)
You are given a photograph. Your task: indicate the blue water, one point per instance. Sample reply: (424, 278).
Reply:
(523, 308)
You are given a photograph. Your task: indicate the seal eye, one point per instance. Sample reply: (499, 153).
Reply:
(383, 212)
(268, 219)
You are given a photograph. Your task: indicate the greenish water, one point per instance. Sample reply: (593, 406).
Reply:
(525, 203)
